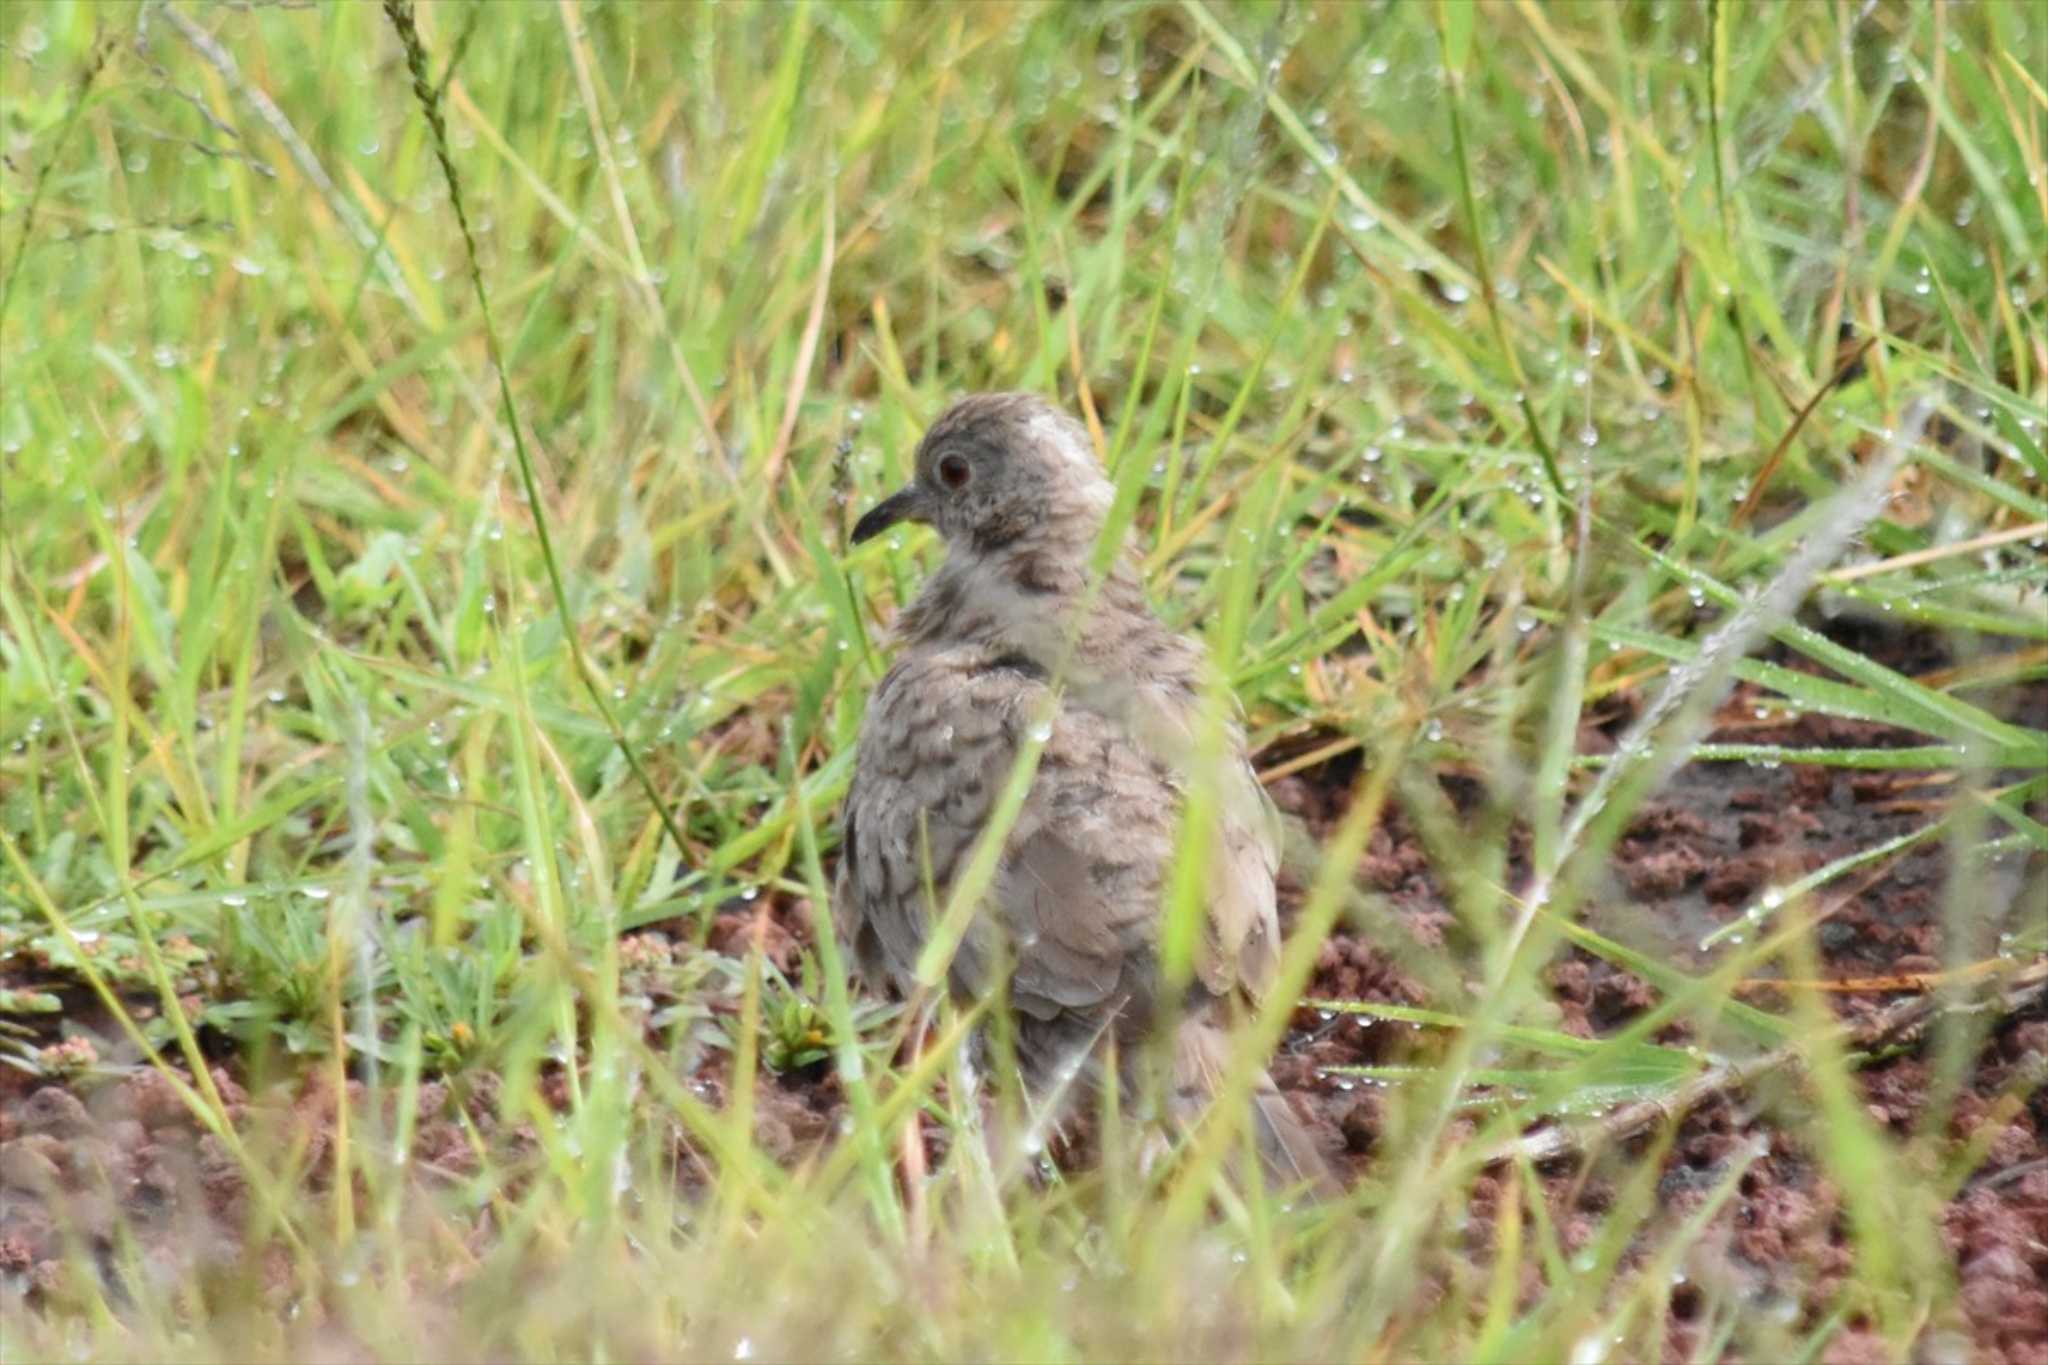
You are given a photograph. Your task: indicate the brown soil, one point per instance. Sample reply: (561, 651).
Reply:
(1716, 838)
(76, 1160)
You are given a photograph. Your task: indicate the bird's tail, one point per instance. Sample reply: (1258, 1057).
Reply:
(1286, 1148)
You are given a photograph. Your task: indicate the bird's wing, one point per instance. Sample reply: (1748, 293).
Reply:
(1075, 896)
(1241, 947)
(1244, 921)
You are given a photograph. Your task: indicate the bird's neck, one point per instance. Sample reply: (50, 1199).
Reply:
(1028, 596)
(1045, 603)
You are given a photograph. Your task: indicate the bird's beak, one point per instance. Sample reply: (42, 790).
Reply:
(906, 504)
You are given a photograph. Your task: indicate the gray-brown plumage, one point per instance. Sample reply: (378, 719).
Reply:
(991, 650)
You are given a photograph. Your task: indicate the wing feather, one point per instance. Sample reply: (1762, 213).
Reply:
(1076, 896)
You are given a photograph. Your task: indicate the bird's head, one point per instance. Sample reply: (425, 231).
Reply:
(997, 468)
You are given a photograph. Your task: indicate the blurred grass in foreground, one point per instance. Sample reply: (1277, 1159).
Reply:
(1459, 362)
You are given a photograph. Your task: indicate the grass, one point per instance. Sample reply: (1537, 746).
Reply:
(392, 632)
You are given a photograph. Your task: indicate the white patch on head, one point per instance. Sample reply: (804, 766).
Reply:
(1066, 438)
(1064, 435)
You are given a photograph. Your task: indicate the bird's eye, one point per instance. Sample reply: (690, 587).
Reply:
(953, 471)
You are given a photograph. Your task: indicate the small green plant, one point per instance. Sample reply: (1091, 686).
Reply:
(796, 1021)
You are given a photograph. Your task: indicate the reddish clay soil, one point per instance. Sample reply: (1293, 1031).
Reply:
(1693, 860)
(76, 1161)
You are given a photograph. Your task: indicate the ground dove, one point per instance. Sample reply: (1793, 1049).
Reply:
(1008, 641)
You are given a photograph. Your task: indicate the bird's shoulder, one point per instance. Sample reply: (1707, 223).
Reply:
(940, 743)
(945, 716)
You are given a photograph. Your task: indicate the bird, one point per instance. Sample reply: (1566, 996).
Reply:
(1017, 638)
